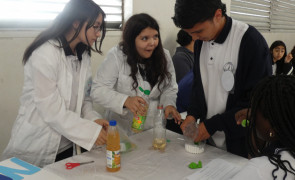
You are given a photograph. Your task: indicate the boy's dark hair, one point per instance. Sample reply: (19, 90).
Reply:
(190, 12)
(183, 38)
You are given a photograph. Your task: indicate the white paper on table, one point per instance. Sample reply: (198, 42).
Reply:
(217, 169)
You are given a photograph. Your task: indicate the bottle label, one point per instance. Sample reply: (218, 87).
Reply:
(113, 159)
(138, 122)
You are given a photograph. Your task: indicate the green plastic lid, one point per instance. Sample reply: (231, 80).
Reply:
(113, 122)
(245, 123)
(146, 92)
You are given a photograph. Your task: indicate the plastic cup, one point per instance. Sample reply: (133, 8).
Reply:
(190, 133)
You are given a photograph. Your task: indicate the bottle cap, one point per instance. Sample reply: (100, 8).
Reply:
(160, 107)
(245, 123)
(113, 122)
(147, 92)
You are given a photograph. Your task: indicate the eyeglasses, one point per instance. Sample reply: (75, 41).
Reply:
(96, 28)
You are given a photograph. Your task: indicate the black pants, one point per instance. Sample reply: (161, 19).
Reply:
(67, 153)
(172, 126)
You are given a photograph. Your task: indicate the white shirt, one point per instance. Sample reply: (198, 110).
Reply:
(274, 68)
(213, 57)
(260, 168)
(76, 66)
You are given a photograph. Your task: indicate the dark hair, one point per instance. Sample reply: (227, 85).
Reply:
(183, 38)
(156, 65)
(75, 10)
(190, 12)
(293, 52)
(274, 97)
(276, 44)
(293, 59)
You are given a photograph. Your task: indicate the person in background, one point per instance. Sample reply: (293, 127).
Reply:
(293, 55)
(230, 59)
(270, 131)
(138, 61)
(183, 58)
(281, 62)
(183, 61)
(56, 108)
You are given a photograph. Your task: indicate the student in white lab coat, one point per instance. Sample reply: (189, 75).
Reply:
(270, 132)
(138, 61)
(56, 108)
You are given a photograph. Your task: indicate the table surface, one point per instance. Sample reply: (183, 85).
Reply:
(143, 162)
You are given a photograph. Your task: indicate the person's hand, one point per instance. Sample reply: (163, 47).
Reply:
(175, 114)
(188, 126)
(104, 123)
(288, 58)
(241, 115)
(188, 120)
(102, 137)
(136, 105)
(202, 133)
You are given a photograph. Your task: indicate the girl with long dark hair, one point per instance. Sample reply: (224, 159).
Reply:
(139, 61)
(56, 108)
(281, 62)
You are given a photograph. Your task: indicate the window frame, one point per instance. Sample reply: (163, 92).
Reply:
(37, 25)
(265, 15)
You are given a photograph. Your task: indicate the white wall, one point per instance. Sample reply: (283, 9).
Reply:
(13, 44)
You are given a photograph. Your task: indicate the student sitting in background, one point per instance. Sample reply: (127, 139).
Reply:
(281, 61)
(183, 58)
(270, 132)
(183, 61)
(293, 59)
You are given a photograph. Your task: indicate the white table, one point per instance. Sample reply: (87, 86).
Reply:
(143, 162)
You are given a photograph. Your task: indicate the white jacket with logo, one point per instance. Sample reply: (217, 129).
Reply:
(112, 85)
(44, 111)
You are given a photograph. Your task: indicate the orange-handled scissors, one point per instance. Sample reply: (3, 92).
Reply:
(72, 165)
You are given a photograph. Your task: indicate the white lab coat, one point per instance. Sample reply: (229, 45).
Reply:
(260, 168)
(112, 85)
(44, 111)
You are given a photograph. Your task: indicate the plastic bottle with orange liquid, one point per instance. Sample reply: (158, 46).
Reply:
(139, 119)
(113, 148)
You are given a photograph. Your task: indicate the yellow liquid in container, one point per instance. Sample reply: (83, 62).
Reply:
(138, 121)
(113, 150)
(159, 143)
